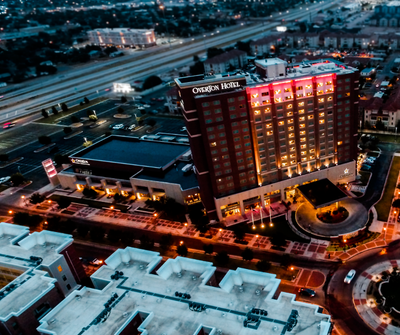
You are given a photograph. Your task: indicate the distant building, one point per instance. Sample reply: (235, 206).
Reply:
(263, 45)
(36, 272)
(138, 293)
(122, 37)
(387, 15)
(302, 40)
(233, 59)
(389, 40)
(173, 102)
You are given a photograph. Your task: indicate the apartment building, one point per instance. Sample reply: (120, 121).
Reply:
(225, 62)
(122, 37)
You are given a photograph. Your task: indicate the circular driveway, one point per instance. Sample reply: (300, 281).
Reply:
(306, 217)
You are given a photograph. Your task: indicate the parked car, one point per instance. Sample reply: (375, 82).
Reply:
(146, 106)
(4, 179)
(160, 99)
(350, 276)
(366, 167)
(8, 125)
(141, 108)
(118, 126)
(306, 292)
(130, 128)
(183, 129)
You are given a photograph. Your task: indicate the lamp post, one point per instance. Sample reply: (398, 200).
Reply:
(384, 236)
(162, 7)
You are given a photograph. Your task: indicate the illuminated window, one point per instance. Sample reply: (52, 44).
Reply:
(328, 83)
(340, 143)
(254, 95)
(310, 117)
(293, 162)
(302, 125)
(303, 146)
(268, 125)
(309, 94)
(292, 149)
(265, 102)
(320, 84)
(329, 99)
(312, 157)
(347, 94)
(299, 88)
(278, 99)
(284, 157)
(284, 164)
(303, 139)
(308, 86)
(269, 132)
(304, 153)
(301, 104)
(291, 135)
(255, 104)
(303, 132)
(291, 128)
(320, 92)
(312, 150)
(302, 118)
(278, 92)
(321, 114)
(321, 121)
(257, 112)
(289, 106)
(289, 114)
(289, 97)
(267, 110)
(287, 89)
(213, 144)
(291, 142)
(281, 123)
(329, 90)
(292, 155)
(300, 95)
(290, 121)
(301, 111)
(304, 159)
(321, 100)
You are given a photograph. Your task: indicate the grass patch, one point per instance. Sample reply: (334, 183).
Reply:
(280, 228)
(383, 206)
(353, 242)
(52, 119)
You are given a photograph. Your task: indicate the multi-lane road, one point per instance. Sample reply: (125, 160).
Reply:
(86, 81)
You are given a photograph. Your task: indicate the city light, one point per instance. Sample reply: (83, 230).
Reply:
(10, 212)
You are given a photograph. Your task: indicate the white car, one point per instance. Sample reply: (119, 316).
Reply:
(183, 129)
(141, 108)
(118, 126)
(138, 97)
(350, 276)
(146, 106)
(131, 127)
(4, 179)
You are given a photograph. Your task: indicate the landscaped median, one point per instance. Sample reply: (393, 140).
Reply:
(384, 205)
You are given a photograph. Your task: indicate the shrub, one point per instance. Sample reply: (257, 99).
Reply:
(123, 99)
(151, 82)
(208, 248)
(222, 258)
(89, 112)
(166, 242)
(151, 122)
(63, 202)
(36, 198)
(17, 179)
(54, 110)
(97, 233)
(146, 242)
(25, 219)
(45, 114)
(114, 235)
(182, 250)
(82, 231)
(263, 265)
(74, 119)
(64, 107)
(45, 140)
(120, 110)
(247, 254)
(89, 192)
(67, 130)
(93, 118)
(86, 100)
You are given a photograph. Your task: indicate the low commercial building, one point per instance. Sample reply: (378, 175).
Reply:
(122, 37)
(225, 62)
(138, 293)
(158, 166)
(36, 272)
(263, 45)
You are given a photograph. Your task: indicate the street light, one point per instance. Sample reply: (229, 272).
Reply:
(166, 24)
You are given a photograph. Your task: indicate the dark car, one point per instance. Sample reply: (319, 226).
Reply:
(366, 167)
(306, 292)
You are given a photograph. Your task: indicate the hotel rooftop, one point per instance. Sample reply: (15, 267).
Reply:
(137, 292)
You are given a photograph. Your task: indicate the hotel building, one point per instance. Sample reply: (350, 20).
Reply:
(255, 137)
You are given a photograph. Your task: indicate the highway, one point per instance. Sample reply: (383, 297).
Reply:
(85, 81)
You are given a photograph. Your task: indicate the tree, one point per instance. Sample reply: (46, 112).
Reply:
(45, 140)
(396, 203)
(151, 82)
(54, 110)
(151, 122)
(247, 254)
(120, 110)
(286, 260)
(263, 265)
(45, 114)
(182, 250)
(166, 242)
(61, 159)
(82, 230)
(89, 192)
(17, 179)
(114, 235)
(86, 100)
(25, 219)
(379, 125)
(89, 112)
(53, 223)
(123, 99)
(67, 130)
(222, 258)
(36, 198)
(208, 248)
(117, 197)
(196, 58)
(97, 233)
(146, 242)
(244, 46)
(127, 238)
(239, 232)
(64, 107)
(74, 119)
(197, 68)
(3, 157)
(63, 202)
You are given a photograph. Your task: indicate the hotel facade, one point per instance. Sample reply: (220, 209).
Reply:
(256, 137)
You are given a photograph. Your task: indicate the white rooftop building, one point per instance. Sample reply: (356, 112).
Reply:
(137, 293)
(122, 37)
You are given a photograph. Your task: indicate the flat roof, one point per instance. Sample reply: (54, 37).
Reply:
(322, 193)
(131, 151)
(173, 175)
(142, 290)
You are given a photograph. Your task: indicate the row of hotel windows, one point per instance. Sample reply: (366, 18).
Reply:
(290, 97)
(289, 89)
(290, 106)
(218, 102)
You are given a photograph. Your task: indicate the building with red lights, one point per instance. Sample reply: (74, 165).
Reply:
(256, 137)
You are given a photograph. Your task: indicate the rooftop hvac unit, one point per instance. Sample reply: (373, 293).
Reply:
(187, 168)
